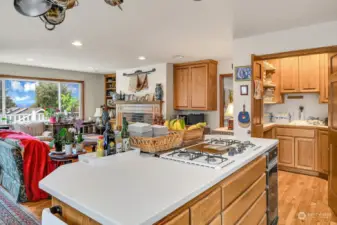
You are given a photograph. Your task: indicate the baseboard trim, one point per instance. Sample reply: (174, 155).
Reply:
(302, 171)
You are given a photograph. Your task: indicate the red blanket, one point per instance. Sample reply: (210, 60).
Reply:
(36, 162)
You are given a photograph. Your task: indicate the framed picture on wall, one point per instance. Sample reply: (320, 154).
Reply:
(243, 73)
(244, 89)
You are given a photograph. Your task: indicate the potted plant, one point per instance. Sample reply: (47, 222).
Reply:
(50, 113)
(79, 144)
(69, 140)
(59, 138)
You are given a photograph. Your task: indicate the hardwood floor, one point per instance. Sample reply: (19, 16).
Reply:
(303, 200)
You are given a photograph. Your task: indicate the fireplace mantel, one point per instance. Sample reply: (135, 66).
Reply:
(139, 103)
(145, 109)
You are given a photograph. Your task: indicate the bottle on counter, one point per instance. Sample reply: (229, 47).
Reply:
(100, 147)
(125, 136)
(109, 140)
(119, 141)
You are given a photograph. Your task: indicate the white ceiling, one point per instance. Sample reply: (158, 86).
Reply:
(157, 29)
(113, 39)
(253, 17)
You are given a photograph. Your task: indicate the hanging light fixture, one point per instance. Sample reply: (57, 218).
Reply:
(115, 3)
(52, 12)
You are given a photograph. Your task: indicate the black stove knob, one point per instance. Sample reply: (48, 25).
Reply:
(232, 152)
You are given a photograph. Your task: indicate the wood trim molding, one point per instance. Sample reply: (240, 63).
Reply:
(196, 63)
(221, 97)
(2, 76)
(308, 51)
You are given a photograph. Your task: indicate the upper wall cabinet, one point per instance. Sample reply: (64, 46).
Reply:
(309, 73)
(195, 85)
(289, 75)
(301, 74)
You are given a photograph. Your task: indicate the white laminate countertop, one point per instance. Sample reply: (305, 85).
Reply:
(132, 189)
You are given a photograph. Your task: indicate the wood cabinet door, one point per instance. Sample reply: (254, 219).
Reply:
(198, 93)
(181, 219)
(309, 73)
(305, 153)
(323, 151)
(332, 197)
(257, 104)
(286, 151)
(289, 75)
(181, 87)
(324, 81)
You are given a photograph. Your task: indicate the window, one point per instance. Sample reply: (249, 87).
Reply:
(26, 100)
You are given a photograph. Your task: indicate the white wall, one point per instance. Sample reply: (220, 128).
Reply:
(93, 83)
(163, 75)
(310, 102)
(318, 35)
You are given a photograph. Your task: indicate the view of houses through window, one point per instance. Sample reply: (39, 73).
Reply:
(26, 100)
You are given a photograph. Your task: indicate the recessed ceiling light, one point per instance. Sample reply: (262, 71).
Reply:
(141, 57)
(77, 43)
(30, 59)
(178, 57)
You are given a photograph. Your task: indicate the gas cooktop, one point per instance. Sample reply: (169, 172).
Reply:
(213, 153)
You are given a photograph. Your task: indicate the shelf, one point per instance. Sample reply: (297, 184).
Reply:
(110, 82)
(108, 96)
(270, 103)
(110, 89)
(268, 66)
(269, 85)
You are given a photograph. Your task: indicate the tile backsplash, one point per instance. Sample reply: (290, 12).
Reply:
(310, 102)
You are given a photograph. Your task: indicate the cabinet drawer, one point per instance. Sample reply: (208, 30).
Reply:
(256, 212)
(295, 132)
(263, 220)
(182, 219)
(236, 210)
(235, 185)
(206, 209)
(216, 221)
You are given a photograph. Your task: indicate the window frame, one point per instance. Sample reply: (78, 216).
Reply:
(58, 81)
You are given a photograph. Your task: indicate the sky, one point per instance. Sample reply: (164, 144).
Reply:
(23, 92)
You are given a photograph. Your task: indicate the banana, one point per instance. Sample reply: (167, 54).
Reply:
(167, 124)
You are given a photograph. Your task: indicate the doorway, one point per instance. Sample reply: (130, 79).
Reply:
(226, 101)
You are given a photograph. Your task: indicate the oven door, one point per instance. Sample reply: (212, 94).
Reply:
(272, 192)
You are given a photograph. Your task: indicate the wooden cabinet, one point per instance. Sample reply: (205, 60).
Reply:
(182, 219)
(305, 153)
(216, 221)
(309, 73)
(324, 74)
(323, 151)
(303, 74)
(286, 151)
(195, 85)
(245, 202)
(206, 209)
(289, 75)
(269, 134)
(198, 91)
(181, 87)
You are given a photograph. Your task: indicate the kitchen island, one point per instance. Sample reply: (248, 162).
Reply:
(133, 188)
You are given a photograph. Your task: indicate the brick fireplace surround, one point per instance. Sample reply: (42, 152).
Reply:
(144, 112)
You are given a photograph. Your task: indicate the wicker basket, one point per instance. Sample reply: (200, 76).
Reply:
(158, 144)
(196, 134)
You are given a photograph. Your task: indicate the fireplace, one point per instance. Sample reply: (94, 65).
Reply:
(144, 112)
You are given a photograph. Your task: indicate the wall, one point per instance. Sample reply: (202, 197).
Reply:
(310, 102)
(318, 35)
(163, 75)
(93, 83)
